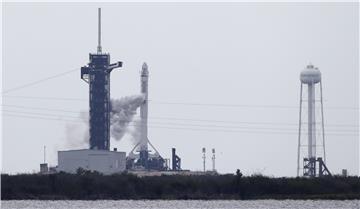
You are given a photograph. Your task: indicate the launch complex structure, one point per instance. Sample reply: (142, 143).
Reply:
(144, 156)
(97, 75)
(99, 157)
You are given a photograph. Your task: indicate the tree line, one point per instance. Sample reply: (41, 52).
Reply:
(86, 185)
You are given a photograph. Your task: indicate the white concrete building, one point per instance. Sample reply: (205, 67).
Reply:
(103, 161)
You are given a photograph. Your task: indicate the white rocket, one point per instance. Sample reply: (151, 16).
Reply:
(144, 142)
(144, 107)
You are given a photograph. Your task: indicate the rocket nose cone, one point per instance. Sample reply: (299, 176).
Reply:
(144, 70)
(144, 66)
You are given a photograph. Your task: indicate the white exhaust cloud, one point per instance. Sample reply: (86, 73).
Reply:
(122, 113)
(77, 134)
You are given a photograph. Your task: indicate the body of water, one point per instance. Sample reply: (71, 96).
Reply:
(182, 204)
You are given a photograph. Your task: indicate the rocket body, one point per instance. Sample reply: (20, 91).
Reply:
(144, 108)
(147, 156)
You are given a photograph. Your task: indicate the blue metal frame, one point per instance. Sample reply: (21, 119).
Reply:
(97, 75)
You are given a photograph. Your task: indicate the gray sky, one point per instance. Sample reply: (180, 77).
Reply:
(245, 56)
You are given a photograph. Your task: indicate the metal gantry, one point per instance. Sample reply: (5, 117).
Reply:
(97, 75)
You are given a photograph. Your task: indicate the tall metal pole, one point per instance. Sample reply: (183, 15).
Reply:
(322, 120)
(99, 31)
(298, 155)
(44, 154)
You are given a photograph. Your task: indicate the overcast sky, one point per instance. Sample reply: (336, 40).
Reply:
(222, 75)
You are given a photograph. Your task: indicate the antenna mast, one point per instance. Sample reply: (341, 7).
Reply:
(44, 154)
(99, 31)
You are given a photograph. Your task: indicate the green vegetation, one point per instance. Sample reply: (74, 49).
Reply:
(91, 185)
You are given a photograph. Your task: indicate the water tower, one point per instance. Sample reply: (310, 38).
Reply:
(313, 162)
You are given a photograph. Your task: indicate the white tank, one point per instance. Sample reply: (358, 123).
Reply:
(310, 75)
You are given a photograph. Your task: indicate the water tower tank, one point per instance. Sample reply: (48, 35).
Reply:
(310, 75)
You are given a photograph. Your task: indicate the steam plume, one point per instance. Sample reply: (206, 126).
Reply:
(122, 113)
(77, 135)
(135, 130)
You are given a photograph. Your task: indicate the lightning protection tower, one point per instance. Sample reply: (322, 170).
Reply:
(311, 78)
(213, 159)
(204, 158)
(97, 75)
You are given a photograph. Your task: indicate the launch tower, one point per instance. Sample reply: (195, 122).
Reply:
(97, 75)
(98, 157)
